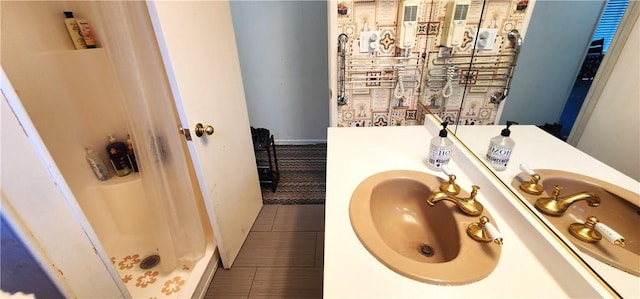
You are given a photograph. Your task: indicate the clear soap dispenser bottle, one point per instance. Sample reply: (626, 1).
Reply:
(440, 149)
(500, 149)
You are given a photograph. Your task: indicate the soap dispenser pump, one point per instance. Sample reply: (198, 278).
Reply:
(440, 149)
(500, 148)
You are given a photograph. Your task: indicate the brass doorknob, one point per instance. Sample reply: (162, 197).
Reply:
(201, 129)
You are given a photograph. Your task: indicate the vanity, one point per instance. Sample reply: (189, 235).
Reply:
(533, 261)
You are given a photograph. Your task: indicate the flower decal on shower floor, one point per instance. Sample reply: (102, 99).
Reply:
(129, 261)
(148, 278)
(151, 283)
(173, 285)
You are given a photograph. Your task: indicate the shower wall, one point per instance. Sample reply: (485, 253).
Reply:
(377, 106)
(70, 111)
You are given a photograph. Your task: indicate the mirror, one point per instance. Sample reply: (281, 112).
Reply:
(550, 157)
(398, 58)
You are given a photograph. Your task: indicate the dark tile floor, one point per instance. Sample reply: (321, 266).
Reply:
(281, 258)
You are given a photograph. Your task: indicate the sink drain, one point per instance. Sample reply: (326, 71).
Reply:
(150, 261)
(426, 250)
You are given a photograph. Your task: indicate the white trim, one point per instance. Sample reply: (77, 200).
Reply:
(332, 24)
(499, 112)
(299, 141)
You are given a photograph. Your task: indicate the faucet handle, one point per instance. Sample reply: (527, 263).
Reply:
(531, 187)
(484, 231)
(611, 235)
(526, 169)
(450, 187)
(592, 230)
(446, 170)
(474, 192)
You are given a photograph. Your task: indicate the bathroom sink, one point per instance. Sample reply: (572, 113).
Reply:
(393, 221)
(619, 209)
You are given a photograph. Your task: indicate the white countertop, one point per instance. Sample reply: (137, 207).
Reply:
(529, 265)
(538, 149)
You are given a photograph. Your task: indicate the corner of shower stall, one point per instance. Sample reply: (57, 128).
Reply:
(119, 212)
(75, 98)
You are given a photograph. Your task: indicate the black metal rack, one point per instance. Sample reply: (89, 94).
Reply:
(266, 157)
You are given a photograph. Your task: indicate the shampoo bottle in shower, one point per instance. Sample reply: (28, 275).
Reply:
(500, 148)
(74, 31)
(85, 32)
(118, 155)
(131, 154)
(97, 164)
(440, 149)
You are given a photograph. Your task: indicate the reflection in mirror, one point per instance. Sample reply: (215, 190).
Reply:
(586, 187)
(398, 59)
(613, 86)
(608, 233)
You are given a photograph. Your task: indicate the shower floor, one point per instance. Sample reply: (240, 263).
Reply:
(152, 283)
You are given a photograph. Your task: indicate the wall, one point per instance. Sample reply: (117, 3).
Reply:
(473, 83)
(71, 111)
(282, 48)
(557, 38)
(612, 133)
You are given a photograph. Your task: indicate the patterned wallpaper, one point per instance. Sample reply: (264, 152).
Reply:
(373, 98)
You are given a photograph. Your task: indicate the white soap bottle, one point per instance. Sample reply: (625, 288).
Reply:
(97, 164)
(500, 149)
(440, 149)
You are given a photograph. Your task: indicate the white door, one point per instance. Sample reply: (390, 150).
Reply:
(198, 47)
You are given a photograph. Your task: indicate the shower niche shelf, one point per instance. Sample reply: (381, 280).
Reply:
(116, 180)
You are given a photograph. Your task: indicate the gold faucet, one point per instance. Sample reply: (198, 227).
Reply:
(469, 206)
(556, 205)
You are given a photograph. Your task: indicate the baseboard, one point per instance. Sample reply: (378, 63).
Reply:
(299, 141)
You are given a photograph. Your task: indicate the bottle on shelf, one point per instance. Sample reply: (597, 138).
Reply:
(97, 164)
(117, 151)
(85, 32)
(131, 154)
(74, 31)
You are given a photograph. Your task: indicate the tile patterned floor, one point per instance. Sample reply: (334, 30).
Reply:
(282, 257)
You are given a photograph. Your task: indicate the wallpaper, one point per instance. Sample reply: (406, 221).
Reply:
(459, 78)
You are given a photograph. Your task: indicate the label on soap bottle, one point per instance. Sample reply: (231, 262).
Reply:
(439, 155)
(498, 155)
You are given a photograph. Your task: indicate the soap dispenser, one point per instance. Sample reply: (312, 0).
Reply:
(440, 149)
(500, 149)
(117, 151)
